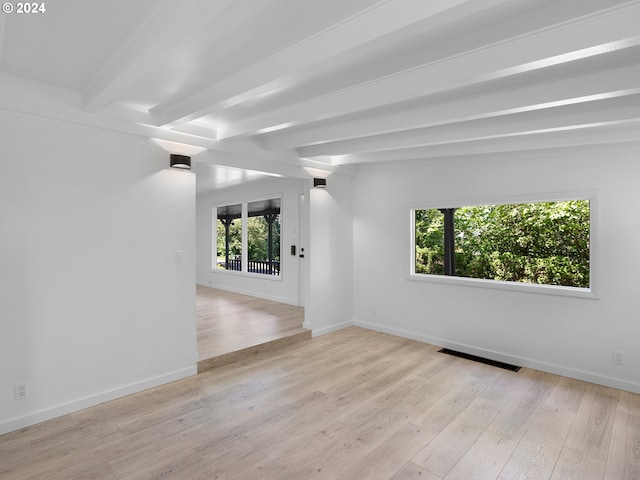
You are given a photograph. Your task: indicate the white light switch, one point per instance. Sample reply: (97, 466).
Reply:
(179, 256)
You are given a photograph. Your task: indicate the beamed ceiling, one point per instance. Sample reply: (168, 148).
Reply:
(274, 86)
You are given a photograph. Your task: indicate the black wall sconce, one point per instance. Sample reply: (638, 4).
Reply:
(319, 183)
(180, 161)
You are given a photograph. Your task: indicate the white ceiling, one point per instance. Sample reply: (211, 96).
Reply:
(275, 86)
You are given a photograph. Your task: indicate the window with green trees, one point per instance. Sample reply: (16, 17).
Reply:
(542, 243)
(263, 236)
(261, 221)
(229, 237)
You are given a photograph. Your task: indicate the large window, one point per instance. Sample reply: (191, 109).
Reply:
(259, 223)
(538, 243)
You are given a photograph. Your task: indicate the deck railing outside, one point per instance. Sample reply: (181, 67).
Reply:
(254, 266)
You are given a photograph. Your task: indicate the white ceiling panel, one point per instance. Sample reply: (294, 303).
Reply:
(70, 41)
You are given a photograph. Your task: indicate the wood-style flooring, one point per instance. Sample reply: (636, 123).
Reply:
(353, 404)
(232, 326)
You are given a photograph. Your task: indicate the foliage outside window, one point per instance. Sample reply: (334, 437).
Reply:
(262, 225)
(263, 236)
(543, 243)
(229, 237)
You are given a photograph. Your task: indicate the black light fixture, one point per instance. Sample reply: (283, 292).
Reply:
(180, 161)
(319, 183)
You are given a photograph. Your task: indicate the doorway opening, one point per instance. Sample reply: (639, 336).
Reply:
(250, 259)
(232, 326)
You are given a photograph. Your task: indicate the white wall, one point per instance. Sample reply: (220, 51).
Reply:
(571, 336)
(329, 304)
(284, 288)
(92, 302)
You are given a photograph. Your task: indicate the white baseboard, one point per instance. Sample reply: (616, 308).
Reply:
(332, 328)
(590, 377)
(90, 401)
(251, 293)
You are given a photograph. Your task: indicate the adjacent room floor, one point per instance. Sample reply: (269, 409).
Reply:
(231, 325)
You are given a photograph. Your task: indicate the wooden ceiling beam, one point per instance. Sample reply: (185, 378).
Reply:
(442, 110)
(274, 73)
(594, 40)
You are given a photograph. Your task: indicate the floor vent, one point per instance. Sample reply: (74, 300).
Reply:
(493, 363)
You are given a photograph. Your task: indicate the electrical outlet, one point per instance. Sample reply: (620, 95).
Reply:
(21, 390)
(618, 357)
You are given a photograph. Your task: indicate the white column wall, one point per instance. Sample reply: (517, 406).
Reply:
(329, 304)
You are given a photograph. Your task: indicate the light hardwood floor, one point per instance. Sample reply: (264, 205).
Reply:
(229, 322)
(354, 404)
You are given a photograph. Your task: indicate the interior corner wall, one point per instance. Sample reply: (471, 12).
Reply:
(329, 304)
(93, 304)
(570, 336)
(284, 288)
